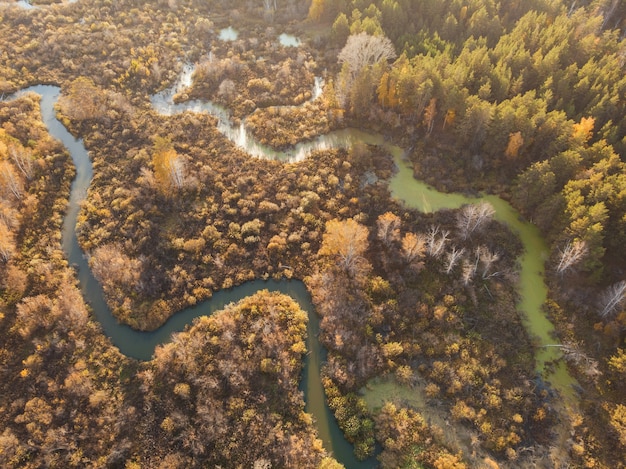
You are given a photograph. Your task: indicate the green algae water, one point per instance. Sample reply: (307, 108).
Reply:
(531, 286)
(404, 187)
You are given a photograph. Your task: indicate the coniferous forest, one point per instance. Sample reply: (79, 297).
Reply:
(264, 140)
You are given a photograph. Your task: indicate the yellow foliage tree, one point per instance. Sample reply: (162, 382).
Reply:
(346, 241)
(583, 130)
(83, 100)
(515, 143)
(169, 168)
(316, 10)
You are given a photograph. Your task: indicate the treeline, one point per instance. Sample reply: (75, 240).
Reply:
(545, 87)
(526, 100)
(520, 88)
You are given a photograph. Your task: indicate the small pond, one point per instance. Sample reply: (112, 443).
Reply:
(229, 34)
(289, 40)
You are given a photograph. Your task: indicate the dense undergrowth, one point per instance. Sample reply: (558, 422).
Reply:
(525, 100)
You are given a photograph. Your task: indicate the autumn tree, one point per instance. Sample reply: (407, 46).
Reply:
(515, 143)
(430, 112)
(22, 158)
(7, 242)
(346, 242)
(316, 10)
(583, 130)
(388, 225)
(169, 166)
(361, 52)
(618, 422)
(414, 249)
(83, 100)
(10, 182)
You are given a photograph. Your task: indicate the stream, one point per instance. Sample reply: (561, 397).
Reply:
(140, 345)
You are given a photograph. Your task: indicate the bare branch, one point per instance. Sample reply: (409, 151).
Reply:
(487, 259)
(388, 225)
(473, 217)
(9, 180)
(436, 241)
(469, 269)
(23, 159)
(612, 299)
(571, 254)
(362, 50)
(452, 258)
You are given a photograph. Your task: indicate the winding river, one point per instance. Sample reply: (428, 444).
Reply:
(140, 345)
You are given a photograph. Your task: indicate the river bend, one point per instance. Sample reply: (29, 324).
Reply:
(414, 193)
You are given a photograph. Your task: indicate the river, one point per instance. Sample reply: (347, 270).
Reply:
(140, 345)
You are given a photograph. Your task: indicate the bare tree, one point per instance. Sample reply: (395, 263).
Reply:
(269, 5)
(9, 180)
(360, 53)
(612, 299)
(486, 258)
(227, 90)
(570, 255)
(473, 217)
(23, 159)
(177, 172)
(362, 50)
(574, 354)
(7, 244)
(8, 215)
(436, 241)
(468, 272)
(452, 258)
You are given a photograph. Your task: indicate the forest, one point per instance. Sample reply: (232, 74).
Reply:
(522, 100)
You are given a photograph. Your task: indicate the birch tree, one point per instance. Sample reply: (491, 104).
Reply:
(358, 56)
(362, 50)
(9, 180)
(612, 299)
(23, 159)
(473, 217)
(571, 254)
(169, 166)
(468, 271)
(486, 259)
(452, 258)
(436, 241)
(7, 244)
(269, 5)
